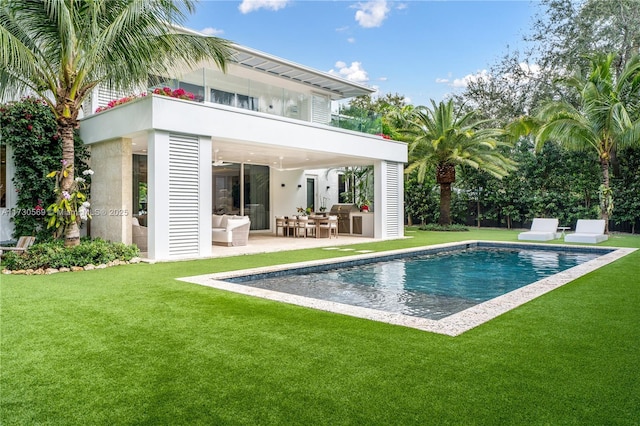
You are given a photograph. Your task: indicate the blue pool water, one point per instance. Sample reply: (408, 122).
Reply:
(429, 286)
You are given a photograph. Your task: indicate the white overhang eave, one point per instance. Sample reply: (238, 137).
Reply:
(339, 87)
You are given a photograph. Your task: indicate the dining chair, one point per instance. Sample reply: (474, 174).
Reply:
(304, 226)
(281, 222)
(331, 226)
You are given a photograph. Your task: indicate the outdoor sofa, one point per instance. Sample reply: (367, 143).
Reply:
(227, 230)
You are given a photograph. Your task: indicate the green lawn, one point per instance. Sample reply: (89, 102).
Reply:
(131, 345)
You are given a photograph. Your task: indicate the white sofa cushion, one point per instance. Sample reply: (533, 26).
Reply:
(234, 222)
(216, 221)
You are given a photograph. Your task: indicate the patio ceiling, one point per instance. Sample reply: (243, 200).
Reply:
(246, 152)
(234, 151)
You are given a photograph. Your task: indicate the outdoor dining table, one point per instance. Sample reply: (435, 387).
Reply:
(291, 227)
(321, 220)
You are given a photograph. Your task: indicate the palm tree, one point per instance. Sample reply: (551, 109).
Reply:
(606, 118)
(62, 49)
(444, 137)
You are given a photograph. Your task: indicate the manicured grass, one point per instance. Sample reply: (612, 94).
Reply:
(131, 345)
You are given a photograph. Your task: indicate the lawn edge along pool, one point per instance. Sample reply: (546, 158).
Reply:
(452, 325)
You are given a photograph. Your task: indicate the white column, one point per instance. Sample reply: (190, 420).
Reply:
(158, 194)
(205, 191)
(389, 199)
(111, 194)
(379, 203)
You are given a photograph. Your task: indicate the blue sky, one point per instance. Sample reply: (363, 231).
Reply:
(420, 49)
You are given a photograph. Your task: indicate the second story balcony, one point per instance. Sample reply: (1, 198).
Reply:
(267, 96)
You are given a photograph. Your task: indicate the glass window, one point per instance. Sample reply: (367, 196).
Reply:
(247, 102)
(140, 188)
(198, 91)
(343, 195)
(256, 195)
(226, 189)
(222, 97)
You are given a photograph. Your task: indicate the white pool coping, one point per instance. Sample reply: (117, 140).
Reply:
(452, 325)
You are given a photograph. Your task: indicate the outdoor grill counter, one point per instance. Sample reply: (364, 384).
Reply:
(352, 221)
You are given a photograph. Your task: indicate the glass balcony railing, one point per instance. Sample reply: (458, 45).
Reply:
(213, 86)
(371, 124)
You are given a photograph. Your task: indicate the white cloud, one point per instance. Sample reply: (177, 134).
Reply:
(372, 13)
(354, 72)
(212, 31)
(531, 70)
(463, 82)
(351, 40)
(248, 6)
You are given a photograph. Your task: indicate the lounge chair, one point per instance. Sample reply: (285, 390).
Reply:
(588, 231)
(21, 246)
(542, 229)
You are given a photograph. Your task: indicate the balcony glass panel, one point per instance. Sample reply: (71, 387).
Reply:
(212, 85)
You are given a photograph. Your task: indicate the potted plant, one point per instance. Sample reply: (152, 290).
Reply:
(303, 211)
(364, 205)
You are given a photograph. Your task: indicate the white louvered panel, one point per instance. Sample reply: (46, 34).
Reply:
(184, 187)
(320, 111)
(393, 200)
(105, 96)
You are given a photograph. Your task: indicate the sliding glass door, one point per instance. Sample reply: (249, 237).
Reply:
(252, 201)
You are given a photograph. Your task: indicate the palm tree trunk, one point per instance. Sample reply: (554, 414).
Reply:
(445, 176)
(72, 231)
(445, 204)
(606, 202)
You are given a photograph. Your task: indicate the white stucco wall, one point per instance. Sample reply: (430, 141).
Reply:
(111, 193)
(156, 118)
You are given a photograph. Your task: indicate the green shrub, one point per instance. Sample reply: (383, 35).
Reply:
(53, 254)
(436, 227)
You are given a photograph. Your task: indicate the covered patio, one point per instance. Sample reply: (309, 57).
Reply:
(204, 159)
(264, 242)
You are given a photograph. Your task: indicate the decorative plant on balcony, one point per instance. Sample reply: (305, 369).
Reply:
(177, 93)
(120, 101)
(165, 91)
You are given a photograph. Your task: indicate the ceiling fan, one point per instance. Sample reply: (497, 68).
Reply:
(281, 169)
(216, 162)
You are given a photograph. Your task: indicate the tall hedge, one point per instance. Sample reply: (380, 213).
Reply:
(29, 127)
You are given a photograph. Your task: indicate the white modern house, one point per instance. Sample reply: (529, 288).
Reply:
(257, 141)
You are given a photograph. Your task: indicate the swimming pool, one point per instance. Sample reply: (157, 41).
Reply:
(437, 309)
(432, 285)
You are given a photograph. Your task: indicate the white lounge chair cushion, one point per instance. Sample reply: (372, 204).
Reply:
(542, 229)
(588, 231)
